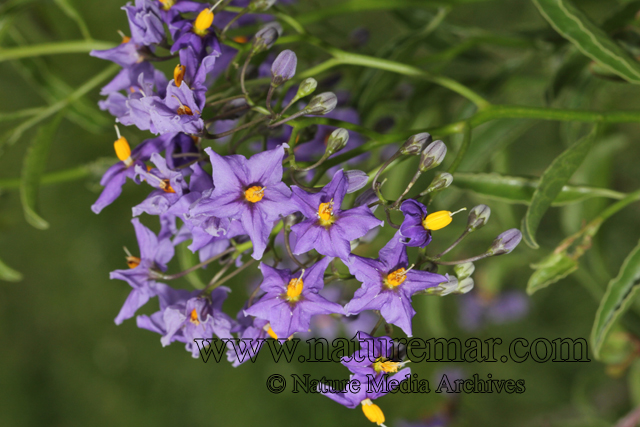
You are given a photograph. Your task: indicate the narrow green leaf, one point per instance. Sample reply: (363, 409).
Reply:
(71, 12)
(188, 259)
(576, 27)
(33, 169)
(54, 48)
(520, 190)
(551, 269)
(620, 293)
(551, 183)
(9, 274)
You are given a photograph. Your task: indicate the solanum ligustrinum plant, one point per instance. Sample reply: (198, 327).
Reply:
(315, 172)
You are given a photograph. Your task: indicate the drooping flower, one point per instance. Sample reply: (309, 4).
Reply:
(142, 273)
(388, 284)
(412, 228)
(145, 22)
(126, 54)
(169, 187)
(291, 299)
(328, 229)
(250, 190)
(351, 399)
(376, 356)
(185, 316)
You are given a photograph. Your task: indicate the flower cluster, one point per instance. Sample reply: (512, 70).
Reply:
(235, 210)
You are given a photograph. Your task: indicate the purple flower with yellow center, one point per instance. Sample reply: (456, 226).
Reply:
(185, 316)
(115, 177)
(352, 399)
(388, 284)
(375, 357)
(417, 225)
(154, 255)
(179, 111)
(328, 229)
(250, 190)
(169, 187)
(145, 22)
(291, 299)
(198, 34)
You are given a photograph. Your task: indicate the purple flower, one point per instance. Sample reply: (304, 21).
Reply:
(388, 284)
(375, 357)
(250, 190)
(185, 316)
(412, 228)
(290, 300)
(180, 111)
(115, 177)
(125, 55)
(169, 184)
(154, 255)
(328, 229)
(252, 330)
(145, 22)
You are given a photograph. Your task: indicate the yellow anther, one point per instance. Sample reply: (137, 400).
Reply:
(438, 220)
(193, 318)
(254, 194)
(133, 261)
(203, 22)
(166, 4)
(325, 213)
(123, 150)
(385, 365)
(178, 74)
(241, 39)
(165, 185)
(294, 289)
(396, 278)
(125, 39)
(183, 110)
(372, 412)
(271, 333)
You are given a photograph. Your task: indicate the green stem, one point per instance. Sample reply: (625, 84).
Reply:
(76, 46)
(466, 141)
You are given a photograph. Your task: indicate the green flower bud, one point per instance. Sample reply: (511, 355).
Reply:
(464, 270)
(441, 181)
(322, 104)
(260, 5)
(337, 140)
(415, 144)
(478, 217)
(307, 87)
(432, 156)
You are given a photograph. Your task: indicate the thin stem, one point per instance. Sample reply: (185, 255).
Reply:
(242, 75)
(466, 141)
(80, 46)
(269, 95)
(377, 325)
(218, 275)
(291, 117)
(235, 273)
(406, 190)
(197, 266)
(234, 19)
(382, 168)
(324, 157)
(287, 245)
(224, 100)
(232, 131)
(462, 261)
(453, 245)
(228, 113)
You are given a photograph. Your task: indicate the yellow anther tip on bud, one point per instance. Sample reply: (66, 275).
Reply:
(123, 150)
(178, 74)
(372, 412)
(203, 22)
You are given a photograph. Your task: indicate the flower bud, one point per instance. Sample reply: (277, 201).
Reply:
(416, 143)
(260, 5)
(283, 68)
(291, 220)
(464, 270)
(478, 217)
(265, 38)
(441, 181)
(355, 180)
(505, 242)
(307, 87)
(322, 104)
(444, 288)
(432, 156)
(337, 140)
(464, 286)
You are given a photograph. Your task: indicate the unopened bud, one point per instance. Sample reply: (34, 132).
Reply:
(291, 220)
(432, 156)
(464, 270)
(452, 286)
(265, 38)
(337, 140)
(283, 68)
(464, 286)
(415, 144)
(505, 242)
(355, 180)
(441, 181)
(322, 104)
(260, 5)
(307, 87)
(478, 217)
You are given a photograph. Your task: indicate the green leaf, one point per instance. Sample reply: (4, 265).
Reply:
(634, 382)
(188, 259)
(551, 269)
(551, 183)
(9, 274)
(33, 169)
(576, 27)
(520, 190)
(71, 12)
(620, 293)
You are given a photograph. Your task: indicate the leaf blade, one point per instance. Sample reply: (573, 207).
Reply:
(8, 274)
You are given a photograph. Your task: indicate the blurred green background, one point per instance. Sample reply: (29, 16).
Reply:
(63, 362)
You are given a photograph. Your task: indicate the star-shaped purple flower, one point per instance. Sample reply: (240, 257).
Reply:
(375, 357)
(291, 299)
(328, 229)
(388, 284)
(250, 190)
(412, 228)
(154, 255)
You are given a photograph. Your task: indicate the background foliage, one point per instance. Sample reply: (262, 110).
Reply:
(63, 361)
